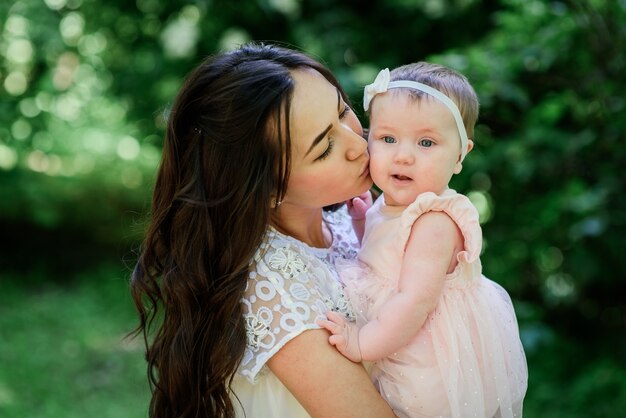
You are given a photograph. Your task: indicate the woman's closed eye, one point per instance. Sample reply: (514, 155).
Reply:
(327, 151)
(331, 141)
(345, 111)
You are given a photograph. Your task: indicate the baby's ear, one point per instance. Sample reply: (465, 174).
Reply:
(470, 146)
(459, 166)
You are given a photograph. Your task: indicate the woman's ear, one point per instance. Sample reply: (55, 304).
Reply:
(275, 203)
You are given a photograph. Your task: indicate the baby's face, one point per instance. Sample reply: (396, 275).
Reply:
(414, 146)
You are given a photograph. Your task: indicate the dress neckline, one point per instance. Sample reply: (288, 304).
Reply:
(318, 251)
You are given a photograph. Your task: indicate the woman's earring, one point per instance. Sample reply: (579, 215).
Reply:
(276, 203)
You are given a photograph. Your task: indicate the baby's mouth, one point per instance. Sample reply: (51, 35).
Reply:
(401, 177)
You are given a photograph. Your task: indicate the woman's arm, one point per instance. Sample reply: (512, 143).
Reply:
(324, 382)
(432, 244)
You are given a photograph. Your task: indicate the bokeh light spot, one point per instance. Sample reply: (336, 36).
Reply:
(482, 202)
(71, 28)
(16, 25)
(179, 38)
(233, 38)
(64, 71)
(74, 4)
(128, 148)
(550, 259)
(68, 108)
(559, 288)
(37, 161)
(21, 129)
(289, 8)
(55, 4)
(92, 44)
(191, 14)
(20, 51)
(44, 101)
(8, 157)
(55, 165)
(28, 107)
(15, 83)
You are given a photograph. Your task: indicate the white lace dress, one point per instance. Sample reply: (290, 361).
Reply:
(290, 286)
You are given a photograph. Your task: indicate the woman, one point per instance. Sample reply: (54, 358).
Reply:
(237, 263)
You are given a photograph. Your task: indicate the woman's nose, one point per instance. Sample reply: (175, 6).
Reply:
(356, 144)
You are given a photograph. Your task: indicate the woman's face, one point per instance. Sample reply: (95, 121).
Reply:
(329, 160)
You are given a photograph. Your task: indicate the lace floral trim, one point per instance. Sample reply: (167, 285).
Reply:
(342, 305)
(257, 328)
(287, 262)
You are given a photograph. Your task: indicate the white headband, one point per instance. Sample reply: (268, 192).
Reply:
(381, 84)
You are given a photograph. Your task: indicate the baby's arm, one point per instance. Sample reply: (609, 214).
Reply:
(432, 245)
(357, 207)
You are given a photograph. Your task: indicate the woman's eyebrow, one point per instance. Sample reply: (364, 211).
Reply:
(318, 139)
(325, 131)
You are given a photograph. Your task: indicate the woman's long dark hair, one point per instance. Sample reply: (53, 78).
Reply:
(225, 156)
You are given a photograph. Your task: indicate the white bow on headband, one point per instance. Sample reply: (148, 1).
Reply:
(381, 84)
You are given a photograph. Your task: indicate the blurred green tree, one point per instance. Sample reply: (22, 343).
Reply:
(86, 86)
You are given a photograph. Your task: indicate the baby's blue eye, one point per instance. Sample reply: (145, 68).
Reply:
(389, 139)
(426, 143)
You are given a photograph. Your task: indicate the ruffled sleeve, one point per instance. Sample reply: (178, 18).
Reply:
(287, 291)
(456, 206)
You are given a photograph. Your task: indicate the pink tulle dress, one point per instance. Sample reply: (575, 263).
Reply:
(467, 360)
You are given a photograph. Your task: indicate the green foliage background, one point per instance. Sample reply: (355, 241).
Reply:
(85, 85)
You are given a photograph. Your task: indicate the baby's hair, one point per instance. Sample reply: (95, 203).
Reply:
(451, 83)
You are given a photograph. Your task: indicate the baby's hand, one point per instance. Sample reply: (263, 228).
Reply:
(344, 335)
(357, 206)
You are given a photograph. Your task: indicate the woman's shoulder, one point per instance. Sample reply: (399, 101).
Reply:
(286, 266)
(288, 289)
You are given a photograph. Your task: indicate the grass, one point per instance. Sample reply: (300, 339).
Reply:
(63, 351)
